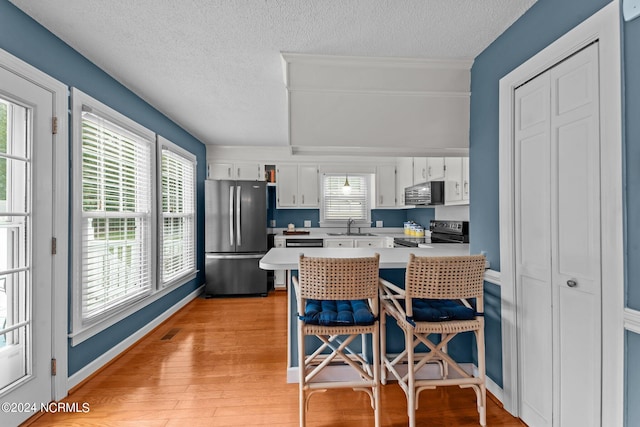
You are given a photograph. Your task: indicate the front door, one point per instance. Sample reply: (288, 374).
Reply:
(26, 204)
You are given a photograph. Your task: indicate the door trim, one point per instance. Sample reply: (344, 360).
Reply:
(603, 26)
(60, 214)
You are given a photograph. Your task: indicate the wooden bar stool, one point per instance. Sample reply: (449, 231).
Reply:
(337, 303)
(435, 304)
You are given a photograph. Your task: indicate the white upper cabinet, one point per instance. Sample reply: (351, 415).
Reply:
(465, 179)
(456, 187)
(385, 186)
(297, 186)
(244, 171)
(435, 168)
(404, 178)
(419, 170)
(287, 186)
(308, 188)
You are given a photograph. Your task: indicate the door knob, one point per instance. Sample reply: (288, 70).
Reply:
(572, 283)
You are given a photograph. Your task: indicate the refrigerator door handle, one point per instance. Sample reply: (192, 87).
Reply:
(238, 225)
(231, 216)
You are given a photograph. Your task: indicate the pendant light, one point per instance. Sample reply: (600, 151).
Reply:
(346, 188)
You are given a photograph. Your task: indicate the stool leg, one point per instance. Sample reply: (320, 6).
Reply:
(411, 379)
(383, 346)
(301, 376)
(376, 374)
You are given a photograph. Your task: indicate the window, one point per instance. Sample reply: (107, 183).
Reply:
(115, 204)
(178, 189)
(338, 206)
(134, 210)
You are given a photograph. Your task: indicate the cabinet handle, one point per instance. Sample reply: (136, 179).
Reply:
(424, 173)
(238, 173)
(572, 283)
(294, 200)
(429, 171)
(457, 188)
(466, 187)
(381, 199)
(229, 172)
(303, 199)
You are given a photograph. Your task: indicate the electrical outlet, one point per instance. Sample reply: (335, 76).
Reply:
(379, 224)
(307, 223)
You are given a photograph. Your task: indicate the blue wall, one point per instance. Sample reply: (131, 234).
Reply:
(389, 217)
(542, 24)
(27, 40)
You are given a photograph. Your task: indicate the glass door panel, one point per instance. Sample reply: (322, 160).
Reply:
(15, 253)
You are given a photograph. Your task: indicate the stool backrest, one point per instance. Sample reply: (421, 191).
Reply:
(338, 278)
(455, 277)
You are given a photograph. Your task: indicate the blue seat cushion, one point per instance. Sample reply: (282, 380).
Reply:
(434, 310)
(337, 313)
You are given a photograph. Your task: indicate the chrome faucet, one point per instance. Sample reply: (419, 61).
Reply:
(349, 222)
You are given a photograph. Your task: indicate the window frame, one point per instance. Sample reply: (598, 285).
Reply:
(165, 144)
(367, 178)
(82, 329)
(80, 332)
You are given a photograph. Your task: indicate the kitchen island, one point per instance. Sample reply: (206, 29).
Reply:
(392, 266)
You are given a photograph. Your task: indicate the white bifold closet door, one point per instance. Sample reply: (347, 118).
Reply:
(558, 260)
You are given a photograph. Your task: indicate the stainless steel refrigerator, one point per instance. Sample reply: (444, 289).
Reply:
(235, 237)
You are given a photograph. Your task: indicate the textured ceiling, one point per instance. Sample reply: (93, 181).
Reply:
(214, 66)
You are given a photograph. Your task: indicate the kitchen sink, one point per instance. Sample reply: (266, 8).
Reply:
(350, 234)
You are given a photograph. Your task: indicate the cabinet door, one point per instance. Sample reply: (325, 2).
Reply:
(404, 178)
(248, 171)
(453, 180)
(419, 170)
(287, 186)
(308, 192)
(338, 243)
(385, 186)
(435, 168)
(220, 171)
(369, 243)
(465, 178)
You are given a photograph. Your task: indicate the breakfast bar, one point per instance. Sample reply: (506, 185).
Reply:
(392, 267)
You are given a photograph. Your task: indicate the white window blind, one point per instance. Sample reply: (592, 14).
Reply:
(339, 206)
(116, 225)
(178, 257)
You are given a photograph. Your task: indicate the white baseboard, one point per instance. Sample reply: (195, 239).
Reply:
(632, 320)
(114, 352)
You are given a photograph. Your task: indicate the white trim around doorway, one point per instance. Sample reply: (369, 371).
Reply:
(60, 214)
(604, 27)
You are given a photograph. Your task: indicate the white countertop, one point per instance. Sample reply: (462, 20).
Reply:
(287, 258)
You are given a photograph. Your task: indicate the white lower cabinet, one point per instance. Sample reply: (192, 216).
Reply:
(376, 242)
(279, 276)
(358, 242)
(338, 243)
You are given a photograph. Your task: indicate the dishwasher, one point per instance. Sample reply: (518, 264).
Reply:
(304, 243)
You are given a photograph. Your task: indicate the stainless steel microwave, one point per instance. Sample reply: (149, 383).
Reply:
(427, 193)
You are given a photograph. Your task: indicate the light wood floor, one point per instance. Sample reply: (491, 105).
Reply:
(222, 362)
